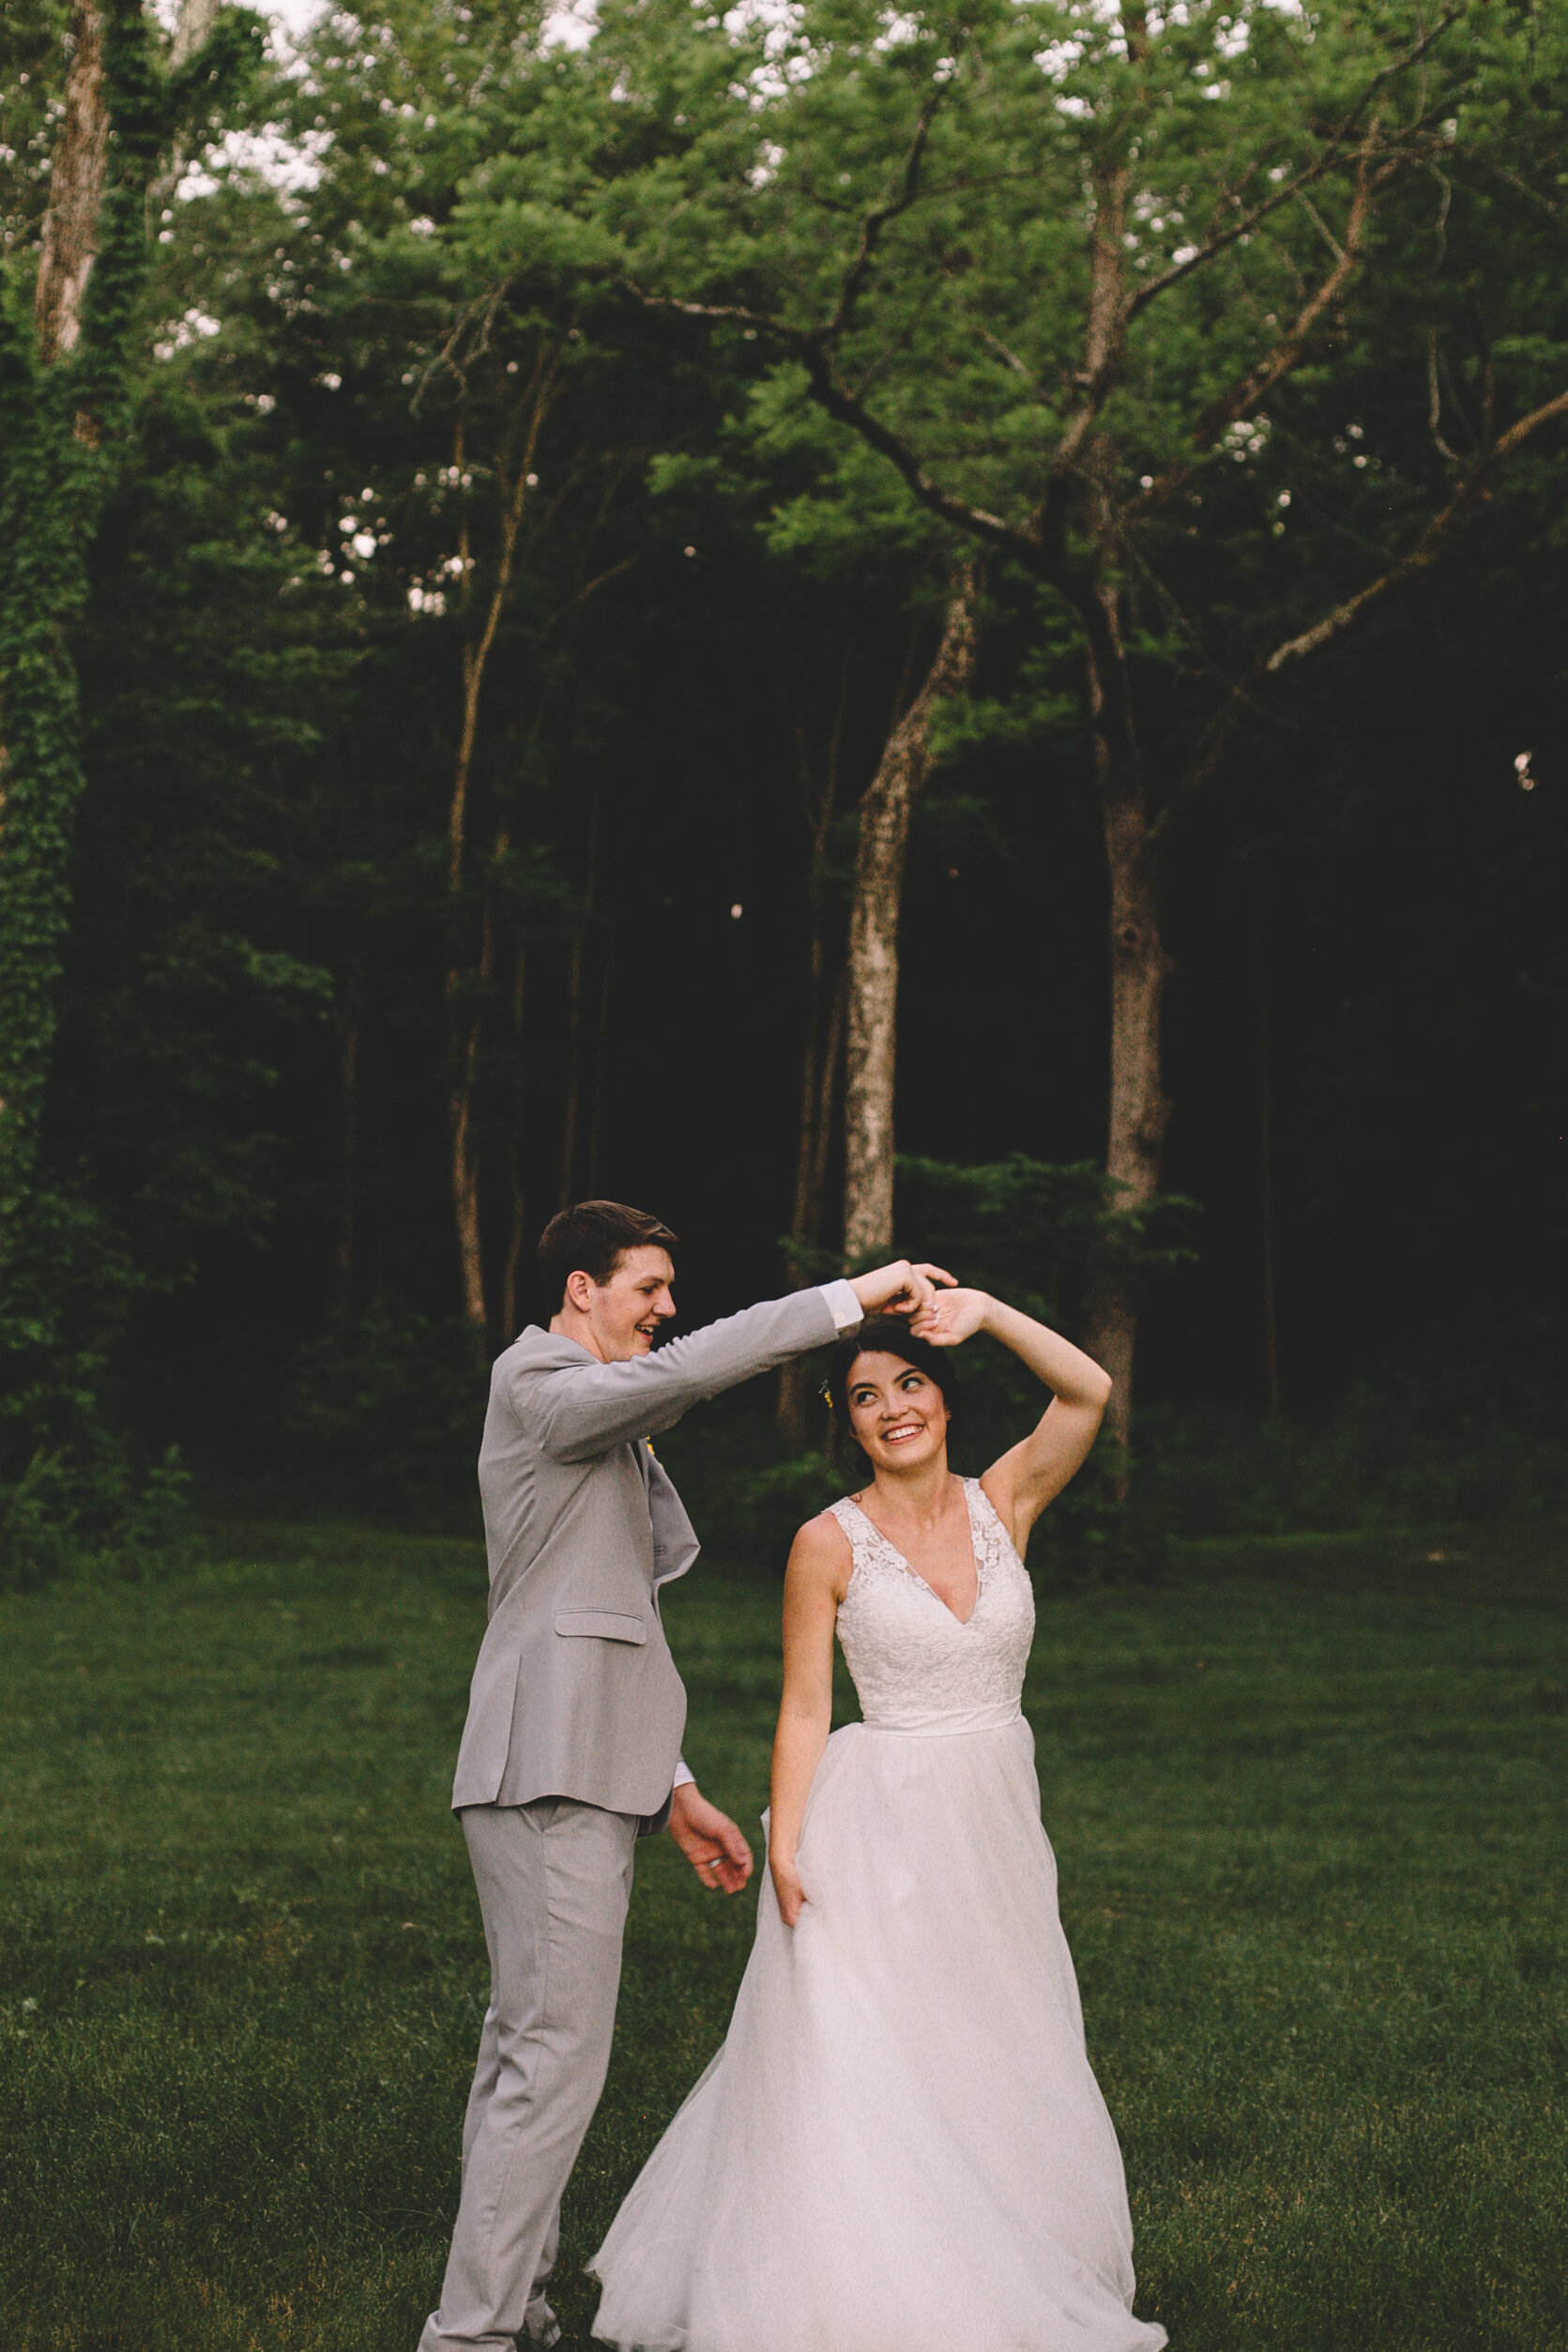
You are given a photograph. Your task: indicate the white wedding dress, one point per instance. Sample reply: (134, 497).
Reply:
(901, 2146)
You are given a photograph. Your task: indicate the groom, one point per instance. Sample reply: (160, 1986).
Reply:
(571, 1750)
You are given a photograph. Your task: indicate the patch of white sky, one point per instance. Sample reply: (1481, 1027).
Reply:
(571, 25)
(1232, 32)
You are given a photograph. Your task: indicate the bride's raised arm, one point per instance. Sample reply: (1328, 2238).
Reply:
(1034, 1472)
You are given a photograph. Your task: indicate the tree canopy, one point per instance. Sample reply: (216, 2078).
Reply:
(524, 490)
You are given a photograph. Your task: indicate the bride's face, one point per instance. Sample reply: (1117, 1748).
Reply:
(898, 1414)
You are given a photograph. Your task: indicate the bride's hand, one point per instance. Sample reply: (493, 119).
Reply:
(950, 1317)
(787, 1887)
(899, 1289)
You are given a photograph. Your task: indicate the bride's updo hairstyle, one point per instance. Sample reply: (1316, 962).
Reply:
(887, 1335)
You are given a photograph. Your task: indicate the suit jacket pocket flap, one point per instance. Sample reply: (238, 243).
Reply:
(607, 1623)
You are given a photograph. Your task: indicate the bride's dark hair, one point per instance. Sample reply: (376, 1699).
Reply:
(887, 1335)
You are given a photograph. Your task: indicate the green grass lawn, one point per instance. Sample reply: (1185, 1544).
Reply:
(1308, 1801)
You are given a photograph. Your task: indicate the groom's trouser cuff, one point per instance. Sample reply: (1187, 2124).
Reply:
(553, 1881)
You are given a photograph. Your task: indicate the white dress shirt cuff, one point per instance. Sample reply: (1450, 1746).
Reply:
(843, 1307)
(683, 1773)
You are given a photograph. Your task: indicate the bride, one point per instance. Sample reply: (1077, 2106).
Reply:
(900, 2147)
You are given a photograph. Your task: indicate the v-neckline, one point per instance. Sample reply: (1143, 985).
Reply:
(910, 1571)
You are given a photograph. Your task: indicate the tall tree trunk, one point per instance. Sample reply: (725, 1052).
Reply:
(348, 1021)
(1138, 967)
(193, 26)
(381, 1193)
(1266, 1161)
(576, 967)
(819, 1055)
(601, 1058)
(463, 1029)
(195, 21)
(885, 813)
(515, 1201)
(464, 1158)
(70, 224)
(797, 1417)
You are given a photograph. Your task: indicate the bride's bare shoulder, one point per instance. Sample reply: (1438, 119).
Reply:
(821, 1553)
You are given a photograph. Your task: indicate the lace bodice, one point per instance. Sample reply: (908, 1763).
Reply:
(916, 1667)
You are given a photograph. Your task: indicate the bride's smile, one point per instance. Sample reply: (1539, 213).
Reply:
(899, 1416)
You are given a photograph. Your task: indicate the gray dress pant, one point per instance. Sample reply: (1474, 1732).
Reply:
(554, 1879)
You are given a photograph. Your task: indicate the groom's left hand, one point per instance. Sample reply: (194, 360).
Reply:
(711, 1843)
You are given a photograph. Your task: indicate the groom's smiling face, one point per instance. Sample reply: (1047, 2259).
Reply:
(623, 1315)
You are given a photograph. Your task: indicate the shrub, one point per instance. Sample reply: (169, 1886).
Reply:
(37, 1522)
(386, 1417)
(98, 1518)
(1435, 1435)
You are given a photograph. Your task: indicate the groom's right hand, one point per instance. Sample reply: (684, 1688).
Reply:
(899, 1288)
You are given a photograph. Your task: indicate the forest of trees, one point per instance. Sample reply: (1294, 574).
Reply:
(865, 626)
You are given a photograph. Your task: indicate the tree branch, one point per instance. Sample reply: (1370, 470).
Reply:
(1336, 248)
(832, 394)
(1435, 401)
(1040, 543)
(1333, 154)
(1112, 310)
(1511, 179)
(1104, 341)
(1213, 745)
(877, 221)
(839, 402)
(1277, 363)
(1484, 349)
(1424, 553)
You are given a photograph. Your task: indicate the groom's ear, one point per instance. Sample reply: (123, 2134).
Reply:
(579, 1290)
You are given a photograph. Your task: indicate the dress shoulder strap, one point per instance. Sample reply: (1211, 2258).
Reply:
(853, 1520)
(868, 1546)
(991, 1519)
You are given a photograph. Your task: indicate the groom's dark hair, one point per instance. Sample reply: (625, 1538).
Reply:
(593, 1238)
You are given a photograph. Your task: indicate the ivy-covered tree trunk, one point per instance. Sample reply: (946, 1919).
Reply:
(64, 393)
(884, 839)
(66, 378)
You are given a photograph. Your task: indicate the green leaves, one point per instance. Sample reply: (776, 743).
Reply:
(502, 236)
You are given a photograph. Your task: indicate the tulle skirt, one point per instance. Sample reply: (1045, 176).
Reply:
(900, 2147)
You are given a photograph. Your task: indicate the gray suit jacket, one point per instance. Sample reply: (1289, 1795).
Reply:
(575, 1693)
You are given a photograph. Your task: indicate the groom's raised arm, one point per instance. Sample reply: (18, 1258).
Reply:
(579, 1410)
